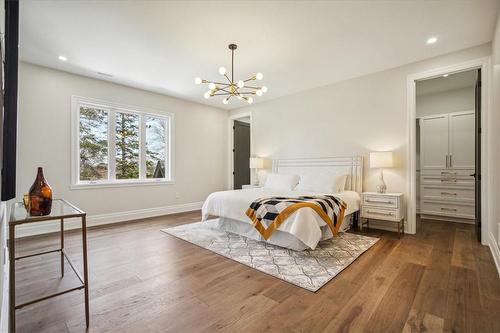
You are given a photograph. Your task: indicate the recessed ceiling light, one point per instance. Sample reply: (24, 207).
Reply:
(446, 75)
(62, 58)
(432, 40)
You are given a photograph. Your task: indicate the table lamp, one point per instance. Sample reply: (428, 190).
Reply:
(381, 159)
(256, 163)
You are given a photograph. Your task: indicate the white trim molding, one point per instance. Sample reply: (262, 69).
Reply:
(484, 64)
(102, 219)
(495, 250)
(112, 109)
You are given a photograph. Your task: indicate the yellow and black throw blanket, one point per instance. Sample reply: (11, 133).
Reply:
(267, 214)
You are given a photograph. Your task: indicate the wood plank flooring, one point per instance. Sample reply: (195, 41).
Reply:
(143, 280)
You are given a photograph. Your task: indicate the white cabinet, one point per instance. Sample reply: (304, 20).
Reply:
(446, 164)
(434, 142)
(447, 141)
(461, 141)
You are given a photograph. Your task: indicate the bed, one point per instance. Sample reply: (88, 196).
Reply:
(304, 228)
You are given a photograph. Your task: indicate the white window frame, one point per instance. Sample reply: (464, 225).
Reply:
(112, 109)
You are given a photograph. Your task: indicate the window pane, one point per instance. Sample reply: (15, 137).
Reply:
(127, 146)
(93, 143)
(155, 147)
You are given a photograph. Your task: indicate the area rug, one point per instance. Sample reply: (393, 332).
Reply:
(309, 269)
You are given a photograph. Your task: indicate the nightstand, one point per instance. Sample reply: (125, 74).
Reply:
(246, 187)
(383, 206)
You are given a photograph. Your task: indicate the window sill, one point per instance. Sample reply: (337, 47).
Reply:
(136, 183)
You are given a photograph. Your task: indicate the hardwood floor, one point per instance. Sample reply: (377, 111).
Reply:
(143, 280)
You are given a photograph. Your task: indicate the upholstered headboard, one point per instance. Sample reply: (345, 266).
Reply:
(350, 165)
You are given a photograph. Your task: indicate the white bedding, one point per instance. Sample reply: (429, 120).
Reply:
(233, 205)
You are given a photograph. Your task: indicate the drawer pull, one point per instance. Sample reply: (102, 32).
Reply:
(380, 213)
(448, 173)
(449, 209)
(448, 193)
(380, 201)
(449, 180)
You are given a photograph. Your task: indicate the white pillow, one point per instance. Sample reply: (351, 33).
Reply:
(281, 182)
(322, 183)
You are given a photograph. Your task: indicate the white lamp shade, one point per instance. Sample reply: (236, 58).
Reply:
(256, 163)
(381, 159)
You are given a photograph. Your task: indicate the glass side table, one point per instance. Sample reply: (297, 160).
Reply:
(61, 210)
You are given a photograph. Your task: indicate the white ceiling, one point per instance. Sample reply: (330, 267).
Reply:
(162, 46)
(454, 81)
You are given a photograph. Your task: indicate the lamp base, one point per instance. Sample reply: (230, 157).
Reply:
(381, 188)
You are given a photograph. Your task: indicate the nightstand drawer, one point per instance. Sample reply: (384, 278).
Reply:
(380, 214)
(380, 201)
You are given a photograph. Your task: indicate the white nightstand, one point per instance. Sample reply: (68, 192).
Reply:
(246, 187)
(383, 206)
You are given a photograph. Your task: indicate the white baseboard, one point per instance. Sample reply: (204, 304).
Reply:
(4, 314)
(495, 251)
(101, 219)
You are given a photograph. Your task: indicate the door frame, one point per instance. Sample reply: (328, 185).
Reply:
(230, 159)
(484, 64)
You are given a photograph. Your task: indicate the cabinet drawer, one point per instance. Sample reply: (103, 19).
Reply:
(447, 209)
(447, 172)
(380, 201)
(447, 193)
(447, 180)
(381, 214)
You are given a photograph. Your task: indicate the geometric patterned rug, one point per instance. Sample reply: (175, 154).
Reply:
(309, 269)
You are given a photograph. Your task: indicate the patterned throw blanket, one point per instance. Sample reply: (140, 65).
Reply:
(267, 214)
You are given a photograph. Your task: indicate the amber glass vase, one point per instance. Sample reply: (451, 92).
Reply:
(40, 196)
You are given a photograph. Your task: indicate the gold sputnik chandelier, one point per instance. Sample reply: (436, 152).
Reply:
(241, 89)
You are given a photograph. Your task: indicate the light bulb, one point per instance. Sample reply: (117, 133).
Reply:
(222, 70)
(211, 86)
(258, 92)
(207, 95)
(259, 76)
(250, 100)
(225, 101)
(241, 84)
(264, 89)
(197, 80)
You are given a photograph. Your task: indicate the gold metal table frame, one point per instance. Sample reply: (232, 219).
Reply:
(66, 211)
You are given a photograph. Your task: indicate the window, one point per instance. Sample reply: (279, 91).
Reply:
(117, 145)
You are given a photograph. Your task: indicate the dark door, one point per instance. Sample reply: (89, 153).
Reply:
(241, 154)
(477, 172)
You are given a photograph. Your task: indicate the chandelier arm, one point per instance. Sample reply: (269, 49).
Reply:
(221, 83)
(228, 79)
(250, 79)
(222, 94)
(247, 93)
(252, 87)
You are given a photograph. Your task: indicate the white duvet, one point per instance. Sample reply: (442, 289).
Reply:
(304, 224)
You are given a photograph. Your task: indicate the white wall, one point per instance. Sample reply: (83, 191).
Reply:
(44, 140)
(445, 102)
(347, 118)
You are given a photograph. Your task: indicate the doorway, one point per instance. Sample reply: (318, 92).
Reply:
(465, 130)
(240, 150)
(446, 148)
(241, 153)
